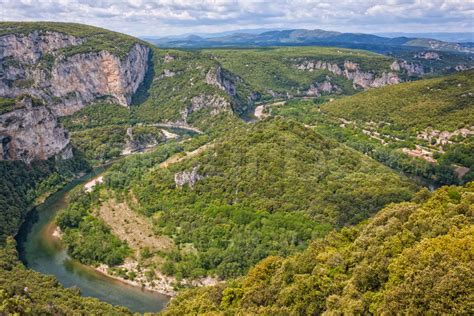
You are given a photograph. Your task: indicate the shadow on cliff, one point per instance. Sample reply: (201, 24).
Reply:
(142, 92)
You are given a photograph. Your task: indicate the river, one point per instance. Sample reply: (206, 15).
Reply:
(41, 251)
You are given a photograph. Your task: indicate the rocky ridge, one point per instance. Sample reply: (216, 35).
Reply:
(33, 64)
(362, 79)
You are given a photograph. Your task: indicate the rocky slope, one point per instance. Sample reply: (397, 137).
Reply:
(32, 132)
(34, 64)
(44, 65)
(360, 78)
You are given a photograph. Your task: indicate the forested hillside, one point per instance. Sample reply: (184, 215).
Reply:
(276, 69)
(412, 258)
(422, 128)
(258, 190)
(23, 185)
(444, 104)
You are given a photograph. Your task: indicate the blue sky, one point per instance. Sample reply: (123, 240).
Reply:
(171, 17)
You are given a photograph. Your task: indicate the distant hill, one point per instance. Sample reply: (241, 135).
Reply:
(458, 37)
(303, 37)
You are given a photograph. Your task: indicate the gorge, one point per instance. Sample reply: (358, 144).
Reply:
(263, 180)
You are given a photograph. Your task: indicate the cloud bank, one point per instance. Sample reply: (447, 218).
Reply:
(169, 17)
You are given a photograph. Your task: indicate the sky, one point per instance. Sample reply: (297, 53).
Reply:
(174, 17)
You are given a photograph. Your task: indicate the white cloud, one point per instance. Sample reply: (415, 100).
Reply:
(163, 17)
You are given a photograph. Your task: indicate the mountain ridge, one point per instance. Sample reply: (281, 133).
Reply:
(305, 37)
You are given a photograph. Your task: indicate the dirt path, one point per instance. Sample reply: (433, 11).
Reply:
(180, 157)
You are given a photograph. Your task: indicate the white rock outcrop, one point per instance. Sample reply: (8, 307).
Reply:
(32, 132)
(187, 177)
(34, 64)
(68, 83)
(361, 79)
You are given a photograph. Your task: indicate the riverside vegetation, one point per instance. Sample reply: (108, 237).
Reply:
(304, 212)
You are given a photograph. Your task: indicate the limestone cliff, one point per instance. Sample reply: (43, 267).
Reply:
(227, 82)
(217, 77)
(32, 132)
(352, 71)
(36, 64)
(411, 69)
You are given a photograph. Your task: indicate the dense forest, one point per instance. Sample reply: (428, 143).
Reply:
(23, 185)
(443, 103)
(407, 258)
(260, 190)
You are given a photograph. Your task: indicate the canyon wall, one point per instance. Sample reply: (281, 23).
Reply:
(32, 132)
(34, 64)
(360, 78)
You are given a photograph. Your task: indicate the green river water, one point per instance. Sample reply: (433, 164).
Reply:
(41, 251)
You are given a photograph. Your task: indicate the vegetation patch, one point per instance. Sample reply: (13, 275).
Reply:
(406, 258)
(263, 189)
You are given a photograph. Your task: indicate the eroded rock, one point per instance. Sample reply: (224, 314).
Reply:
(33, 65)
(351, 71)
(217, 77)
(31, 133)
(67, 83)
(187, 177)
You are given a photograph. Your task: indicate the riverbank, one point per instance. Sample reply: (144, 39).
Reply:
(41, 249)
(161, 283)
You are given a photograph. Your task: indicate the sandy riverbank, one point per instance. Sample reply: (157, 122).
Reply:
(161, 284)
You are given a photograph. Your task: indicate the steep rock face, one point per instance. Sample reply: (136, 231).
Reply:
(34, 64)
(67, 83)
(32, 132)
(351, 71)
(324, 87)
(228, 82)
(30, 48)
(84, 77)
(218, 78)
(410, 69)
